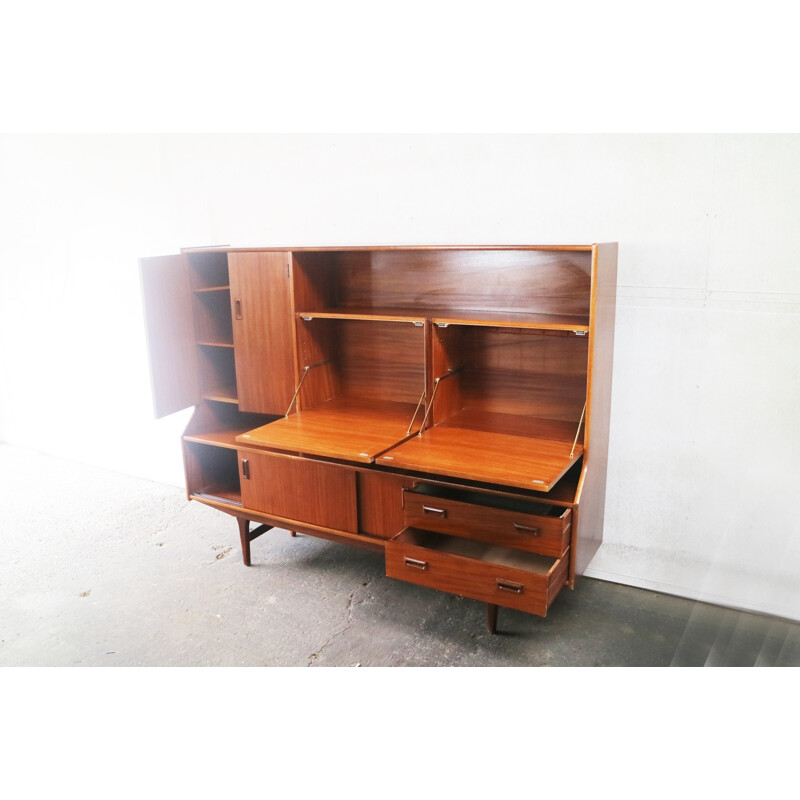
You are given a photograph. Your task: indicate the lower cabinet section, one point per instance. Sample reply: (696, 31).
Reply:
(211, 473)
(495, 548)
(299, 489)
(490, 573)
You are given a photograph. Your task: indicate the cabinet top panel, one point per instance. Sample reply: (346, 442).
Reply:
(375, 248)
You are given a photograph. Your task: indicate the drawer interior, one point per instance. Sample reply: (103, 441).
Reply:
(503, 502)
(478, 551)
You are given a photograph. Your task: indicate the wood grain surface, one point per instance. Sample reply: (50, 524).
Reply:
(342, 428)
(491, 574)
(485, 456)
(263, 336)
(300, 489)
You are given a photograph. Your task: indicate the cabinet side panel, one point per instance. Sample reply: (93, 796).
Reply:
(169, 326)
(262, 331)
(592, 495)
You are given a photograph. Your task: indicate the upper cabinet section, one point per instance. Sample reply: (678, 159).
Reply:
(472, 363)
(543, 289)
(488, 364)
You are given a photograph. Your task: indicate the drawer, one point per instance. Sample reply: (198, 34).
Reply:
(509, 522)
(525, 581)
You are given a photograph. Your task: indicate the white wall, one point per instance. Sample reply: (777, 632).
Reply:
(707, 373)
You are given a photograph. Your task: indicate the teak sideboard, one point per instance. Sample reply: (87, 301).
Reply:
(446, 406)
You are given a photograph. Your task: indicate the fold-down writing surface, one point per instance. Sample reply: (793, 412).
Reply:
(498, 458)
(341, 428)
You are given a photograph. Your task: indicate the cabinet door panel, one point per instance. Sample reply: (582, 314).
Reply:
(262, 331)
(299, 489)
(169, 325)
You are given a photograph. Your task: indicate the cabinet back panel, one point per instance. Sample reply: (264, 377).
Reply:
(505, 371)
(501, 280)
(367, 360)
(213, 321)
(314, 281)
(217, 369)
(208, 269)
(211, 468)
(382, 361)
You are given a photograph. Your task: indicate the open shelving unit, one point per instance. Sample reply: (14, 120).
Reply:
(213, 326)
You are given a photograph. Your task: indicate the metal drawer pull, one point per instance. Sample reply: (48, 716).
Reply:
(442, 512)
(527, 529)
(510, 586)
(245, 469)
(413, 562)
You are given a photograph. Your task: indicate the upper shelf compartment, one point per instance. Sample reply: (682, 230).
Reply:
(507, 407)
(542, 289)
(361, 387)
(209, 271)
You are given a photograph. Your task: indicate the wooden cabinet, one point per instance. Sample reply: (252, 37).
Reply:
(448, 406)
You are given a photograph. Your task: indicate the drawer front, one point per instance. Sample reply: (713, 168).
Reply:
(530, 532)
(299, 489)
(472, 577)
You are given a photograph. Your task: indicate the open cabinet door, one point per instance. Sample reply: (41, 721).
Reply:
(169, 325)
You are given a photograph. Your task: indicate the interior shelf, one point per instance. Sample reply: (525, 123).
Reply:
(343, 428)
(212, 289)
(220, 493)
(376, 314)
(500, 458)
(455, 316)
(222, 394)
(219, 424)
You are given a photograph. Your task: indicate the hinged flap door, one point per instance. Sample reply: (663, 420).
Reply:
(169, 325)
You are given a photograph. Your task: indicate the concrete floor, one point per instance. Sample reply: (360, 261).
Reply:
(101, 569)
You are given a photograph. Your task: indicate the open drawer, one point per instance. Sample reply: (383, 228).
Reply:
(490, 573)
(495, 519)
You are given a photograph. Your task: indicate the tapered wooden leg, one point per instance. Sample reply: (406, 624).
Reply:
(244, 535)
(294, 533)
(491, 617)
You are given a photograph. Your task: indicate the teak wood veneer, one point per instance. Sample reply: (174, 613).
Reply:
(446, 406)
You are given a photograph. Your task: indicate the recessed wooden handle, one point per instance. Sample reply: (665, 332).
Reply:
(237, 308)
(527, 528)
(510, 586)
(441, 512)
(413, 562)
(245, 468)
